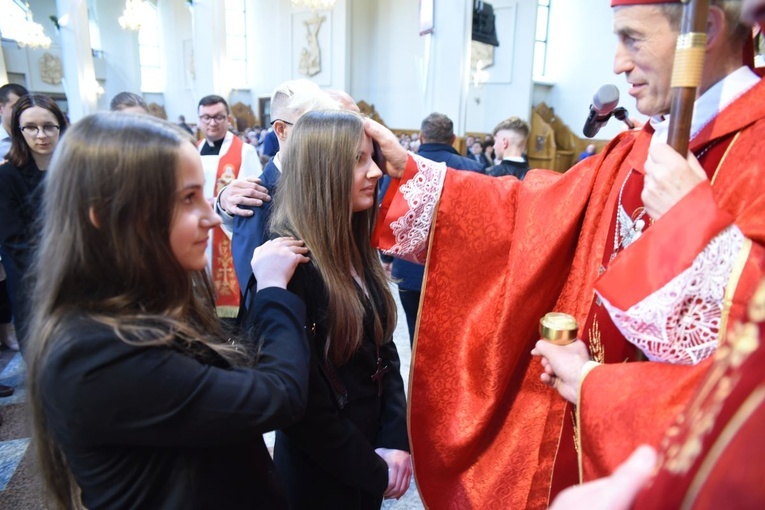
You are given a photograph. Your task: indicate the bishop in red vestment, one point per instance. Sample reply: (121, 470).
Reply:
(485, 432)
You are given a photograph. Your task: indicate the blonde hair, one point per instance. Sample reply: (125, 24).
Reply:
(293, 98)
(313, 202)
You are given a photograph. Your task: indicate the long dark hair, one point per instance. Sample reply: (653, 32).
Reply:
(20, 155)
(105, 254)
(313, 202)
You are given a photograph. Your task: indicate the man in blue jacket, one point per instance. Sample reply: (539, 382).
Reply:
(437, 134)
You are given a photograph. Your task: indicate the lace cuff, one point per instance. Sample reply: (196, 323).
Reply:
(421, 194)
(680, 323)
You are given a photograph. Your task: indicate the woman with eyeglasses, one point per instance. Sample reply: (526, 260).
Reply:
(37, 123)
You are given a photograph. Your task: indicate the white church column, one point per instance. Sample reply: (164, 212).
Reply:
(175, 26)
(79, 76)
(209, 22)
(3, 69)
(447, 56)
(123, 66)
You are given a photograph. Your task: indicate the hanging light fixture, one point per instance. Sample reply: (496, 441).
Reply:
(33, 34)
(133, 15)
(314, 4)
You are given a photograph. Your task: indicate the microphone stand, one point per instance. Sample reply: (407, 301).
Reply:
(623, 115)
(620, 113)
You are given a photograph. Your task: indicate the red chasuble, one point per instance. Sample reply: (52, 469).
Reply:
(650, 395)
(223, 275)
(485, 432)
(712, 455)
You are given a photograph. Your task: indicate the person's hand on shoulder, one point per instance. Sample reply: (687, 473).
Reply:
(274, 262)
(243, 192)
(399, 471)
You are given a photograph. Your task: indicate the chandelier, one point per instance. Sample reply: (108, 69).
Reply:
(314, 4)
(33, 34)
(133, 15)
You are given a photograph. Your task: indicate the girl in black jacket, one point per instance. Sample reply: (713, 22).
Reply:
(351, 448)
(140, 399)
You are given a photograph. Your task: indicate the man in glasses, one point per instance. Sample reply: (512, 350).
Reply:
(225, 157)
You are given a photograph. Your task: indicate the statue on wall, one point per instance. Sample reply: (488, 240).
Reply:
(310, 58)
(51, 71)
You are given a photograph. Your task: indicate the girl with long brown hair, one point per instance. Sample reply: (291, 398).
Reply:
(351, 448)
(37, 124)
(140, 399)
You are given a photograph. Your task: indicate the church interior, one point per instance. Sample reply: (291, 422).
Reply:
(477, 62)
(400, 59)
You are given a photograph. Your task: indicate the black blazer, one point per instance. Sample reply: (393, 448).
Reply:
(155, 427)
(328, 458)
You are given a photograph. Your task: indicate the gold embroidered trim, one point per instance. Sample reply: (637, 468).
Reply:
(750, 405)
(575, 424)
(730, 289)
(722, 160)
(596, 345)
(678, 456)
(414, 351)
(757, 304)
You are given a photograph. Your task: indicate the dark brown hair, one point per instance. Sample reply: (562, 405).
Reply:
(20, 154)
(126, 100)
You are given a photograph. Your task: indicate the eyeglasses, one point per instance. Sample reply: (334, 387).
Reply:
(209, 118)
(284, 121)
(48, 129)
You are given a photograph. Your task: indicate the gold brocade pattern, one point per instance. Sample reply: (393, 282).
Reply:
(576, 433)
(757, 304)
(226, 177)
(597, 351)
(680, 454)
(225, 278)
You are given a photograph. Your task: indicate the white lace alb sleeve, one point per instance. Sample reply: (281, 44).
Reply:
(421, 194)
(680, 323)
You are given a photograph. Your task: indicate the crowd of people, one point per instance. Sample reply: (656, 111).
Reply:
(175, 297)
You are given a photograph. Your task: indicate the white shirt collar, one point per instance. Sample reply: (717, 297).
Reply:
(278, 162)
(711, 102)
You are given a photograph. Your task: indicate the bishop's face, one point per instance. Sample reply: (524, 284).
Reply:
(645, 53)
